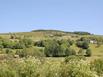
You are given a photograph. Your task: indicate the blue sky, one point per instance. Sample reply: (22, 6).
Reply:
(67, 15)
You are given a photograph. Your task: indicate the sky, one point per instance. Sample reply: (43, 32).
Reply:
(66, 15)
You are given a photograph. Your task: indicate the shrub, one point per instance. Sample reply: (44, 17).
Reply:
(40, 43)
(52, 49)
(81, 52)
(82, 44)
(88, 52)
(27, 42)
(30, 52)
(70, 41)
(33, 67)
(76, 66)
(97, 65)
(21, 53)
(7, 71)
(19, 45)
(74, 58)
(8, 51)
(63, 50)
(1, 46)
(7, 44)
(67, 42)
(70, 52)
(85, 45)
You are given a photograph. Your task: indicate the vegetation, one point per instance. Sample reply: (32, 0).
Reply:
(97, 65)
(83, 44)
(51, 53)
(55, 49)
(82, 33)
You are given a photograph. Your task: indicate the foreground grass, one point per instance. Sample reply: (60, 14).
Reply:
(46, 67)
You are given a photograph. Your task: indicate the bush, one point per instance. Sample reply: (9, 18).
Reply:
(40, 43)
(21, 53)
(7, 44)
(27, 42)
(1, 46)
(8, 51)
(63, 50)
(74, 58)
(82, 44)
(52, 49)
(19, 45)
(70, 41)
(7, 71)
(97, 65)
(81, 52)
(85, 45)
(70, 52)
(76, 66)
(30, 52)
(88, 52)
(63, 41)
(33, 67)
(55, 49)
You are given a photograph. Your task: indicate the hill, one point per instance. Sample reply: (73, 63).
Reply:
(96, 41)
(48, 53)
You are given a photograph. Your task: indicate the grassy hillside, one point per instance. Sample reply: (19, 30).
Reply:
(51, 53)
(36, 35)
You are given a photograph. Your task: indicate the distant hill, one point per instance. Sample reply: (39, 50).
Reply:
(42, 30)
(59, 31)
